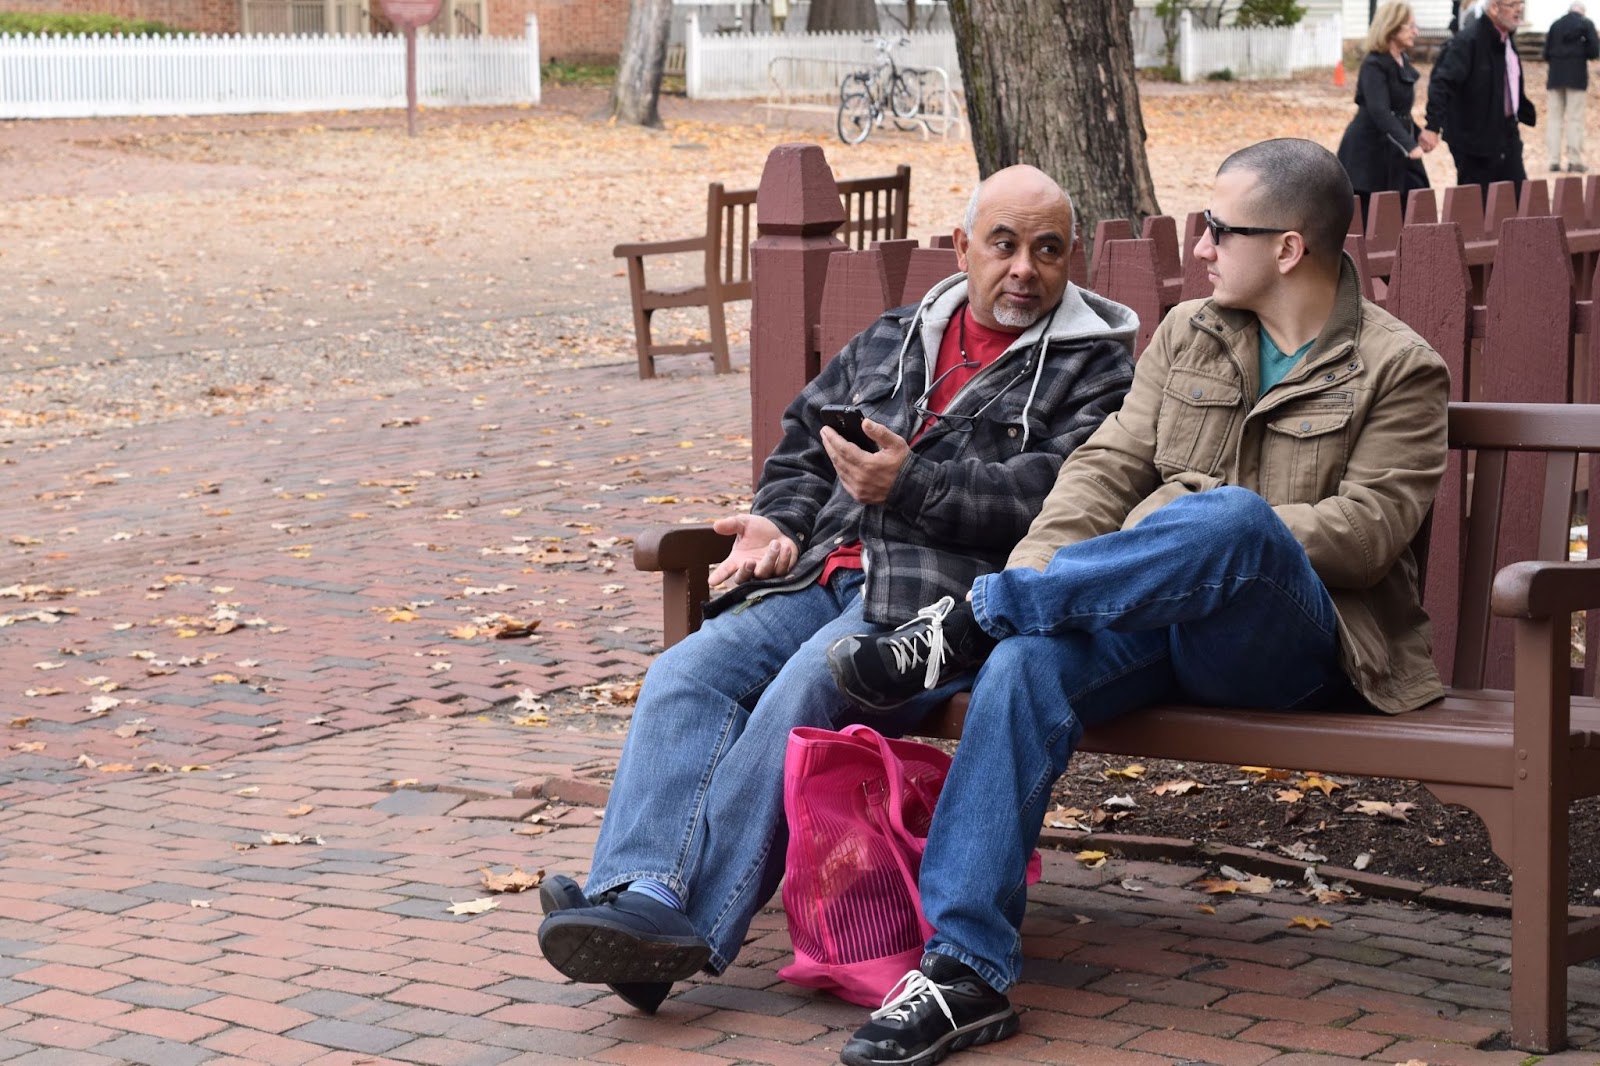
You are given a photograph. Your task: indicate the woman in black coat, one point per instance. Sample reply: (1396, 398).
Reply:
(1382, 147)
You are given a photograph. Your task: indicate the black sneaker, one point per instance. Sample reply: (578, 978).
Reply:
(939, 1008)
(881, 671)
(1576, 168)
(631, 940)
(558, 892)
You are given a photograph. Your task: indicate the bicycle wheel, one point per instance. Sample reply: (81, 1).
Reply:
(855, 118)
(905, 95)
(856, 82)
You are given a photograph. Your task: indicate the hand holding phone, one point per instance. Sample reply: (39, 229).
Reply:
(846, 421)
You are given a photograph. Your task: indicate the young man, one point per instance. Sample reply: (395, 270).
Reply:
(1237, 535)
(972, 400)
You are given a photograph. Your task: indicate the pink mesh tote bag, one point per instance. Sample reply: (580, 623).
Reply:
(858, 806)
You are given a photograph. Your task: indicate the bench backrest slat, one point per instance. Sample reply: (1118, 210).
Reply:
(1526, 343)
(730, 227)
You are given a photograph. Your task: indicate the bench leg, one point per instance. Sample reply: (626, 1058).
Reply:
(719, 335)
(1539, 848)
(641, 340)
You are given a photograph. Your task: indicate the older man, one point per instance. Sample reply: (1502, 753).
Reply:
(972, 399)
(1568, 47)
(1237, 535)
(1476, 98)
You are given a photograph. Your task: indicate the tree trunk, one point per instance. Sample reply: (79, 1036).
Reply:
(851, 15)
(635, 97)
(1051, 82)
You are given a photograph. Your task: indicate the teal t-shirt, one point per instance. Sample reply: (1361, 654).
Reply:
(1275, 362)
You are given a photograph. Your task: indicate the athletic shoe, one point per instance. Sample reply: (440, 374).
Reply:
(1576, 168)
(934, 1010)
(631, 940)
(880, 672)
(558, 892)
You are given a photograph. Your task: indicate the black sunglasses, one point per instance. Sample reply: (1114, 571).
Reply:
(1218, 229)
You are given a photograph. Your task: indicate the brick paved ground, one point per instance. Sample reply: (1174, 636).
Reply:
(284, 606)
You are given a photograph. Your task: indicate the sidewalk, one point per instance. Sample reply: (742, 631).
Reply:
(228, 628)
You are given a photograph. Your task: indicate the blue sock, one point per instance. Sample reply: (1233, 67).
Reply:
(657, 891)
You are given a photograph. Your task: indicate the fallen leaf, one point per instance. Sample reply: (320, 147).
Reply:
(1325, 785)
(1119, 803)
(248, 791)
(1290, 795)
(1092, 859)
(203, 903)
(1126, 773)
(518, 880)
(1397, 812)
(1177, 788)
(28, 746)
(299, 812)
(1299, 850)
(1205, 908)
(1310, 923)
(86, 762)
(115, 767)
(476, 906)
(1267, 773)
(21, 721)
(155, 768)
(1363, 860)
(132, 728)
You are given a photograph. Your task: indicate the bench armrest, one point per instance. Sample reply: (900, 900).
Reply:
(684, 556)
(639, 249)
(1544, 589)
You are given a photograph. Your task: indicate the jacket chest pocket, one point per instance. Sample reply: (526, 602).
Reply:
(1303, 454)
(1198, 416)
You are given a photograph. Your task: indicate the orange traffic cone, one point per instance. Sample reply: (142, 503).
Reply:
(1338, 75)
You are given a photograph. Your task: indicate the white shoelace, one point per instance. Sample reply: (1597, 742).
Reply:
(910, 990)
(907, 649)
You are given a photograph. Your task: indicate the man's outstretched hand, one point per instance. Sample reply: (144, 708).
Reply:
(868, 476)
(760, 550)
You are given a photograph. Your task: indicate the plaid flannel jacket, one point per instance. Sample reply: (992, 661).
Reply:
(973, 482)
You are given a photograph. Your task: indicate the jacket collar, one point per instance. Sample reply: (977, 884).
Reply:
(1338, 334)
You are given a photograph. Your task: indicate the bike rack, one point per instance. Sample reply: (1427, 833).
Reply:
(803, 84)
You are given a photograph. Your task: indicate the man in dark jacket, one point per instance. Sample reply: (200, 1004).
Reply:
(972, 400)
(1568, 47)
(1476, 98)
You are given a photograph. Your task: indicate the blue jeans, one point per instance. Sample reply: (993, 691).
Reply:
(1208, 600)
(698, 797)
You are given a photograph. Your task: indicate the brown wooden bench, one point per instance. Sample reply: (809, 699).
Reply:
(875, 209)
(1516, 758)
(1509, 741)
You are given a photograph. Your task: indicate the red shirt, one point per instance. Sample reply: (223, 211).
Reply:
(968, 346)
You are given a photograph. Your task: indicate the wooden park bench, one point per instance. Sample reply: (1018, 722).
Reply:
(1509, 741)
(875, 209)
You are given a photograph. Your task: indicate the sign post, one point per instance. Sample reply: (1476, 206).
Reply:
(408, 15)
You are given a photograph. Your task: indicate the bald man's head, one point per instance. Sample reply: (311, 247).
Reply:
(1013, 244)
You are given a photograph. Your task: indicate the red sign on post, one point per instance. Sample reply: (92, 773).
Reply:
(408, 15)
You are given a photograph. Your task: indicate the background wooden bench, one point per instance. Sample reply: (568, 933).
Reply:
(1509, 742)
(874, 209)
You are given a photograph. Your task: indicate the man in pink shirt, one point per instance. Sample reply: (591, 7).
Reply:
(1476, 98)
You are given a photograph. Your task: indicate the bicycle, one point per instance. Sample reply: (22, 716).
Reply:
(866, 97)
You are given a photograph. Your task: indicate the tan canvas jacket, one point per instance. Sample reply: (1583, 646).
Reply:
(1348, 449)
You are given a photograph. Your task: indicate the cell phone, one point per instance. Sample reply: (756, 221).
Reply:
(845, 418)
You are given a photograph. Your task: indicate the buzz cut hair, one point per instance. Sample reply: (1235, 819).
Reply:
(1300, 185)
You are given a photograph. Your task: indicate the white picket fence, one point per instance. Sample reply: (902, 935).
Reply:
(1259, 53)
(85, 77)
(734, 66)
